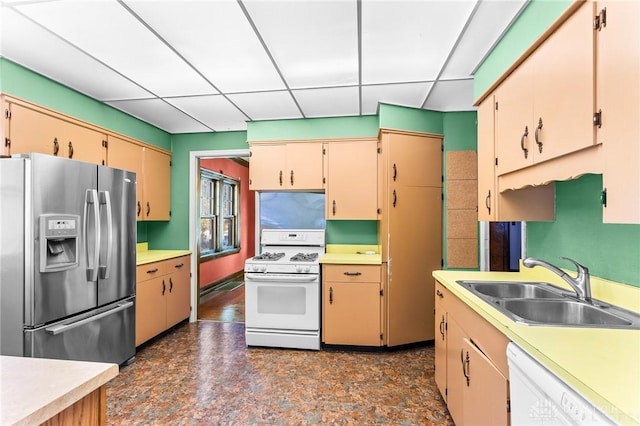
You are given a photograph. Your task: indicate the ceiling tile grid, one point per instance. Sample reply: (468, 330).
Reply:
(212, 65)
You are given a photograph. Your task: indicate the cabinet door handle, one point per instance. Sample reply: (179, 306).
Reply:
(330, 295)
(442, 327)
(148, 208)
(487, 202)
(139, 209)
(395, 172)
(333, 208)
(465, 365)
(280, 178)
(56, 146)
(164, 287)
(179, 265)
(524, 136)
(536, 135)
(352, 274)
(70, 150)
(170, 285)
(395, 198)
(152, 271)
(291, 178)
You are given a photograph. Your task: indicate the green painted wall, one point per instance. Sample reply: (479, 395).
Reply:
(25, 84)
(610, 251)
(174, 234)
(313, 128)
(405, 118)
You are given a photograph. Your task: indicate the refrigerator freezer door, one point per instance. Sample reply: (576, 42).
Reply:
(103, 335)
(58, 186)
(117, 262)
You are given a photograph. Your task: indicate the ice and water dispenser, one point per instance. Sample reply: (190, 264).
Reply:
(59, 237)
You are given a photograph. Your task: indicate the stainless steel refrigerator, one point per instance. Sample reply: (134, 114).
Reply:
(67, 259)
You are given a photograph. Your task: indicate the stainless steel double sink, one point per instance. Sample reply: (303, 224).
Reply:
(539, 303)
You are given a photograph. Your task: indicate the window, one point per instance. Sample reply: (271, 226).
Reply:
(219, 213)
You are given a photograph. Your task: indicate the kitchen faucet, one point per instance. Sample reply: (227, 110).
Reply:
(580, 284)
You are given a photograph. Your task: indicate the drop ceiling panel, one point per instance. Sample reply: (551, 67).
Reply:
(455, 95)
(488, 24)
(58, 60)
(160, 114)
(314, 43)
(411, 94)
(214, 111)
(328, 102)
(217, 39)
(107, 31)
(404, 41)
(267, 105)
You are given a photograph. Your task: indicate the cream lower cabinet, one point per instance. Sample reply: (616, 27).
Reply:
(352, 305)
(471, 369)
(162, 296)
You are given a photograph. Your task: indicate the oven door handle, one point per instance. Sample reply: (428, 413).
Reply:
(291, 278)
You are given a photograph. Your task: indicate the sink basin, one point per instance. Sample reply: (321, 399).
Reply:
(562, 312)
(514, 289)
(539, 303)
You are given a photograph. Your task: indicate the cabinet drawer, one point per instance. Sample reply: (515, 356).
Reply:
(152, 270)
(177, 264)
(352, 273)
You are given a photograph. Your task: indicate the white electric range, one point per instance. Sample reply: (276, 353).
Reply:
(282, 289)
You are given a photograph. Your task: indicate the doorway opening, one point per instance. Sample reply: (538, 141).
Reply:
(217, 289)
(502, 245)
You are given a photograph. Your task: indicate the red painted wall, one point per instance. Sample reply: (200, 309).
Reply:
(216, 269)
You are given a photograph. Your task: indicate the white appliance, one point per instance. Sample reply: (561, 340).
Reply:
(282, 289)
(539, 397)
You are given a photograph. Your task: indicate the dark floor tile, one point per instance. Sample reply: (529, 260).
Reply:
(203, 374)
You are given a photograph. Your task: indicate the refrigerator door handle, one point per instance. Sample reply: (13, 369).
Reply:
(92, 268)
(58, 329)
(105, 199)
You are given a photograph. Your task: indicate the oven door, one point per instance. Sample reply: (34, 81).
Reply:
(282, 301)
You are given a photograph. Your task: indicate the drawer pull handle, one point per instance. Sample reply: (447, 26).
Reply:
(179, 265)
(330, 295)
(152, 271)
(56, 146)
(352, 274)
(439, 294)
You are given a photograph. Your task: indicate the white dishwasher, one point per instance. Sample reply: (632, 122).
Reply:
(539, 397)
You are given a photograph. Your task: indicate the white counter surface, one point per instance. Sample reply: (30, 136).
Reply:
(32, 390)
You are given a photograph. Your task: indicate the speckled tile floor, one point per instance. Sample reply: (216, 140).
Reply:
(203, 374)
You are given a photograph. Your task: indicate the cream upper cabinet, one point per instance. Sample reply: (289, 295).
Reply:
(618, 97)
(545, 106)
(156, 184)
(486, 162)
(351, 180)
(126, 155)
(29, 128)
(286, 166)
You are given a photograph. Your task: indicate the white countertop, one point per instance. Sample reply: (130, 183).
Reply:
(32, 390)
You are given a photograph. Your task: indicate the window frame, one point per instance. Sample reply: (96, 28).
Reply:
(219, 214)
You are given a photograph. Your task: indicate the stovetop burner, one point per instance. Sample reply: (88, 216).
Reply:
(304, 257)
(269, 256)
